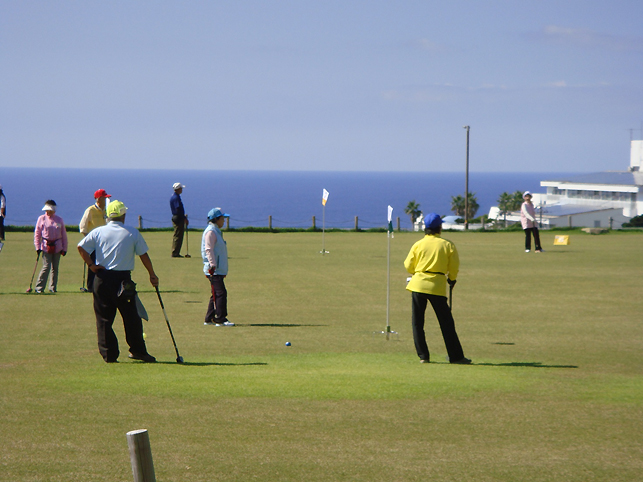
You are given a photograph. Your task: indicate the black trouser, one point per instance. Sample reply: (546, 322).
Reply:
(1, 228)
(218, 305)
(528, 232)
(90, 273)
(106, 301)
(177, 238)
(447, 325)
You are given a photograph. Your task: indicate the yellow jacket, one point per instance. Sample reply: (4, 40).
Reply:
(430, 261)
(93, 218)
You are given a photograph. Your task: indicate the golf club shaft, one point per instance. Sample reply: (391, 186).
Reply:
(34, 271)
(158, 293)
(450, 296)
(187, 243)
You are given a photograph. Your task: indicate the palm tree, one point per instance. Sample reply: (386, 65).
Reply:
(505, 204)
(413, 210)
(517, 201)
(457, 205)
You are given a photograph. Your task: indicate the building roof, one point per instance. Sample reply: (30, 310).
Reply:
(623, 178)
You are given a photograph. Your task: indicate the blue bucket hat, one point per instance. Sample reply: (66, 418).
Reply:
(432, 221)
(216, 213)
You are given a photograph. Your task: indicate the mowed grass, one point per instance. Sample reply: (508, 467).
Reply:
(556, 391)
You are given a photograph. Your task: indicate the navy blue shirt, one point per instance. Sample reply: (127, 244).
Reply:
(177, 206)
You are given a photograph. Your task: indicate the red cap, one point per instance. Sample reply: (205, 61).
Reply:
(101, 193)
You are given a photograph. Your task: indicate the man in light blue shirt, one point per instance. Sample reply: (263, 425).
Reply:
(116, 247)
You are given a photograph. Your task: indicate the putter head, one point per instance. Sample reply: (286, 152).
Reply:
(187, 256)
(179, 359)
(28, 290)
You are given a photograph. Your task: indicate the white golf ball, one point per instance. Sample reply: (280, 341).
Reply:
(287, 343)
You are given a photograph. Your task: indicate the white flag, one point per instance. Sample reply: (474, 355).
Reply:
(390, 220)
(324, 197)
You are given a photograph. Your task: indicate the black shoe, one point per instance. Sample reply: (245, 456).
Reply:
(177, 256)
(146, 357)
(425, 360)
(462, 361)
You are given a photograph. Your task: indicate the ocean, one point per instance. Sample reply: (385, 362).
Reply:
(292, 198)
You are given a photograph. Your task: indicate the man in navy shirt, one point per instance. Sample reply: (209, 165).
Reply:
(179, 219)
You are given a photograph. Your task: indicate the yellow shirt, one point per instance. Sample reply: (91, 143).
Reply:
(429, 257)
(93, 218)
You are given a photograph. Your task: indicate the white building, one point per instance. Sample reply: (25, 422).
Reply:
(603, 199)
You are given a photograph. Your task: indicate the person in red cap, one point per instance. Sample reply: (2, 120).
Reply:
(94, 217)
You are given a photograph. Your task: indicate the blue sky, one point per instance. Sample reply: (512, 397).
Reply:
(549, 86)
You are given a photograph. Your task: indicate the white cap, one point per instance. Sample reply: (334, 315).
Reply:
(177, 185)
(527, 193)
(49, 207)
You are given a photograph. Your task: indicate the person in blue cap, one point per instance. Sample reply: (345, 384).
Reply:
(214, 252)
(434, 262)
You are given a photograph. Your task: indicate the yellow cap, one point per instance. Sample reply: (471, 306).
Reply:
(115, 209)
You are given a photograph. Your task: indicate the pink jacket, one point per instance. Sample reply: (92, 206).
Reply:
(52, 229)
(528, 215)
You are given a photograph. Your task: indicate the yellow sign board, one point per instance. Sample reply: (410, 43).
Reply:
(561, 240)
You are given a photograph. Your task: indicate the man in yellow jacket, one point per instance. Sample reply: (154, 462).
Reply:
(93, 217)
(434, 262)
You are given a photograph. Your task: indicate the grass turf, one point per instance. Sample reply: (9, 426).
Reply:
(555, 393)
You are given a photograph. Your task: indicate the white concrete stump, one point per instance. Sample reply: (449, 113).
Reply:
(140, 453)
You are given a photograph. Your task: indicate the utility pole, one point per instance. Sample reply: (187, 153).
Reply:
(466, 185)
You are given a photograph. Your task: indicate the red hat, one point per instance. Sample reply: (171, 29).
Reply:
(101, 193)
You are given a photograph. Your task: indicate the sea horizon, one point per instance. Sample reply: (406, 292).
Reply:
(290, 197)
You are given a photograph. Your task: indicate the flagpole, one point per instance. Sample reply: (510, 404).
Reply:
(388, 285)
(323, 251)
(324, 199)
(389, 235)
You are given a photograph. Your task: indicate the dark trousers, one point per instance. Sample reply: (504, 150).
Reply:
(1, 228)
(106, 302)
(528, 233)
(218, 305)
(177, 238)
(90, 273)
(447, 325)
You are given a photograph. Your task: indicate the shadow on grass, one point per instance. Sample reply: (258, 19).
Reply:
(523, 364)
(206, 364)
(277, 325)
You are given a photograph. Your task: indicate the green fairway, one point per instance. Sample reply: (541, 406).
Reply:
(555, 392)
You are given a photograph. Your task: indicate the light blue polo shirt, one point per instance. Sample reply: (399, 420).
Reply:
(116, 246)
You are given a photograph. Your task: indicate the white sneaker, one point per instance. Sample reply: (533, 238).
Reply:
(526, 250)
(228, 323)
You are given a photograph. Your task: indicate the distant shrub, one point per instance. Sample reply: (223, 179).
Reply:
(635, 222)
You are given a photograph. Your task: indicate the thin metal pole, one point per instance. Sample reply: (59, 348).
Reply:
(323, 251)
(388, 286)
(466, 186)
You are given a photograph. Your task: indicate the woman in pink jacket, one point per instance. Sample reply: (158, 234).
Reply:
(50, 238)
(529, 223)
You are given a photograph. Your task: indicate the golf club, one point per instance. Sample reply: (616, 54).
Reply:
(179, 358)
(34, 272)
(83, 289)
(187, 243)
(450, 296)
